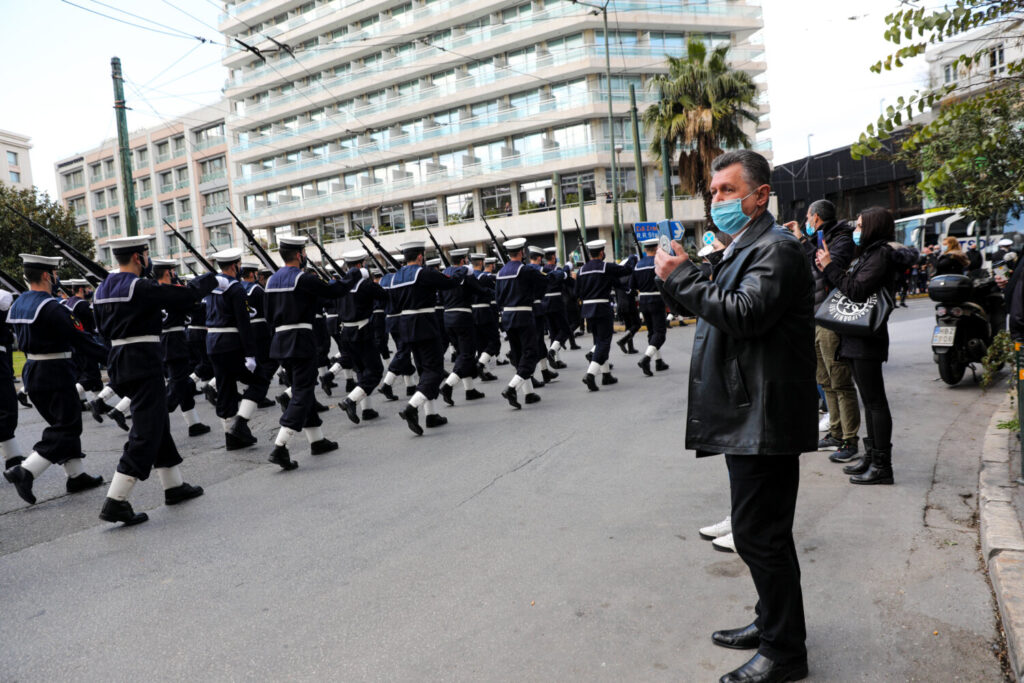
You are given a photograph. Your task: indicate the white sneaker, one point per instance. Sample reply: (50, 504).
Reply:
(724, 544)
(824, 423)
(714, 531)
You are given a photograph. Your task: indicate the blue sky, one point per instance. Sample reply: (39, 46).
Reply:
(57, 87)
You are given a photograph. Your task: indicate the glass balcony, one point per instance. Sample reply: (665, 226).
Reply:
(185, 216)
(101, 204)
(161, 158)
(214, 209)
(166, 187)
(95, 178)
(181, 184)
(146, 194)
(147, 223)
(213, 175)
(206, 143)
(68, 187)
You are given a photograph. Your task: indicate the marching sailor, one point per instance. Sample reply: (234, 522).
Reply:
(485, 316)
(355, 319)
(458, 321)
(540, 312)
(517, 288)
(89, 382)
(10, 450)
(47, 332)
(554, 309)
(594, 283)
(254, 295)
(652, 307)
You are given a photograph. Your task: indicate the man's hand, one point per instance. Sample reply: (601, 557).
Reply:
(794, 228)
(823, 258)
(1001, 281)
(250, 363)
(665, 263)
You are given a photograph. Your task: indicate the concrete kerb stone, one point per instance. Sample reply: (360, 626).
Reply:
(1002, 541)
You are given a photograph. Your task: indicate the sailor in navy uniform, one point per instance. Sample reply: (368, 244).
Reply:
(47, 332)
(231, 345)
(181, 390)
(626, 302)
(265, 366)
(594, 284)
(202, 369)
(355, 319)
(458, 321)
(415, 289)
(518, 286)
(380, 333)
(485, 316)
(554, 309)
(88, 382)
(652, 307)
(10, 449)
(540, 311)
(293, 299)
(401, 362)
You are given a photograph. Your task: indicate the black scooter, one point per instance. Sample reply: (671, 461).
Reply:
(969, 311)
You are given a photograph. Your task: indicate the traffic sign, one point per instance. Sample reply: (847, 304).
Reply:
(709, 238)
(649, 231)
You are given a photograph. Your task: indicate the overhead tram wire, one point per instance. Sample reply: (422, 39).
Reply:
(166, 30)
(174, 63)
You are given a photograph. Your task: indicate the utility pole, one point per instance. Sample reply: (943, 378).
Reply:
(666, 173)
(641, 192)
(556, 182)
(583, 214)
(131, 216)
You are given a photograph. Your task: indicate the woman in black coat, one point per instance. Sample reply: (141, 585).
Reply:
(875, 269)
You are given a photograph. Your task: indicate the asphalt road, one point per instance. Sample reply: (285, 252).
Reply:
(555, 543)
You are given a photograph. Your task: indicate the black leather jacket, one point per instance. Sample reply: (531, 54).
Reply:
(751, 385)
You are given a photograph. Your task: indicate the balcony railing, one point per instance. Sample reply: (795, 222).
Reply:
(185, 216)
(148, 223)
(96, 178)
(181, 184)
(68, 187)
(161, 158)
(209, 142)
(213, 175)
(100, 204)
(212, 209)
(166, 187)
(146, 194)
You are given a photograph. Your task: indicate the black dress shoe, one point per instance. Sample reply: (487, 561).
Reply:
(474, 395)
(198, 429)
(83, 482)
(591, 382)
(660, 365)
(436, 420)
(446, 394)
(760, 669)
(509, 394)
(211, 394)
(264, 403)
(548, 375)
(645, 365)
(118, 417)
(234, 442)
(179, 494)
(280, 457)
(98, 407)
(18, 459)
(351, 409)
(22, 480)
(121, 511)
(607, 378)
(589, 355)
(322, 446)
(283, 400)
(745, 638)
(370, 414)
(411, 416)
(23, 399)
(387, 392)
(320, 407)
(327, 383)
(532, 398)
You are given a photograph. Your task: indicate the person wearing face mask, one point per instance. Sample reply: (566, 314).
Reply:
(752, 396)
(953, 260)
(834, 376)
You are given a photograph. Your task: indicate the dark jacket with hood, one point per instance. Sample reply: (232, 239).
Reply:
(839, 238)
(751, 384)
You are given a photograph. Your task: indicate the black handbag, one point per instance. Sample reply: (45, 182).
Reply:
(855, 318)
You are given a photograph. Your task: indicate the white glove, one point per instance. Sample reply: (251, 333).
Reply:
(6, 299)
(250, 363)
(364, 273)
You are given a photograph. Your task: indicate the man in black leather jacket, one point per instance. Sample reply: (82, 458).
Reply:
(752, 396)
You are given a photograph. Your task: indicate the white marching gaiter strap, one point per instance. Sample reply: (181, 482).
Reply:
(417, 399)
(357, 395)
(284, 435)
(170, 477)
(467, 383)
(124, 405)
(120, 486)
(593, 368)
(10, 449)
(246, 408)
(313, 434)
(191, 417)
(389, 378)
(515, 381)
(452, 380)
(74, 467)
(36, 464)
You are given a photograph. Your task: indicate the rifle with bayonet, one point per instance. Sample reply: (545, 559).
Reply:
(254, 246)
(440, 252)
(498, 249)
(325, 255)
(380, 248)
(67, 251)
(192, 250)
(191, 269)
(378, 264)
(583, 241)
(14, 285)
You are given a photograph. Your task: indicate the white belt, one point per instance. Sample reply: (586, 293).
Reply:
(296, 326)
(650, 293)
(62, 355)
(378, 310)
(481, 305)
(332, 315)
(3, 349)
(392, 315)
(358, 324)
(459, 310)
(172, 329)
(418, 311)
(222, 330)
(524, 309)
(319, 315)
(258, 320)
(553, 294)
(142, 339)
(596, 301)
(197, 327)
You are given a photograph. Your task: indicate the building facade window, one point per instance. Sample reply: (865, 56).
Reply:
(15, 176)
(12, 158)
(392, 218)
(996, 63)
(497, 201)
(458, 208)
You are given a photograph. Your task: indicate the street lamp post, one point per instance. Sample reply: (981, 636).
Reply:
(616, 226)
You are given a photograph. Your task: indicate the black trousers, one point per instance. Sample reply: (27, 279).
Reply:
(229, 369)
(8, 399)
(149, 441)
(301, 410)
(542, 327)
(656, 327)
(88, 372)
(198, 357)
(522, 343)
(764, 490)
(488, 338)
(360, 347)
(61, 439)
(180, 387)
(558, 326)
(630, 317)
(401, 361)
(428, 355)
(867, 374)
(463, 338)
(602, 328)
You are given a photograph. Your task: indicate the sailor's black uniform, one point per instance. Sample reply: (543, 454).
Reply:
(8, 395)
(651, 305)
(88, 370)
(414, 291)
(594, 284)
(356, 333)
(229, 341)
(176, 355)
(518, 286)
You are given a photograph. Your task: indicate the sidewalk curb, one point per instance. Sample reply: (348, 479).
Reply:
(1002, 541)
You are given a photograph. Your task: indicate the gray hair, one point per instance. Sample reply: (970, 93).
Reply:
(756, 170)
(823, 209)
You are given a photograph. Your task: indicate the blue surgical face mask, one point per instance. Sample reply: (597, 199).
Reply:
(729, 216)
(856, 237)
(809, 229)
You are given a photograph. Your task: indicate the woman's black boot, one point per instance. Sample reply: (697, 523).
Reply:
(861, 464)
(880, 470)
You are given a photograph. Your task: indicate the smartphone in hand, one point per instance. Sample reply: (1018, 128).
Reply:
(821, 240)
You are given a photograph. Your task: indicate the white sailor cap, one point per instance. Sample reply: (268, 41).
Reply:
(228, 255)
(188, 277)
(249, 265)
(653, 242)
(264, 269)
(399, 257)
(432, 262)
(551, 250)
(1005, 242)
(36, 261)
(355, 255)
(456, 253)
(596, 245)
(491, 259)
(515, 244)
(78, 282)
(535, 251)
(128, 245)
(413, 246)
(292, 241)
(477, 256)
(163, 263)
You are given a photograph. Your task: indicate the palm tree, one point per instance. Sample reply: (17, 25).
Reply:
(702, 108)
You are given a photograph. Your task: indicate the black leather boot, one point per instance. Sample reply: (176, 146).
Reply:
(121, 511)
(83, 482)
(880, 469)
(645, 365)
(351, 409)
(387, 392)
(861, 464)
(446, 394)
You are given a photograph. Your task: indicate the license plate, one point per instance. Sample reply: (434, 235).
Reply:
(943, 336)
